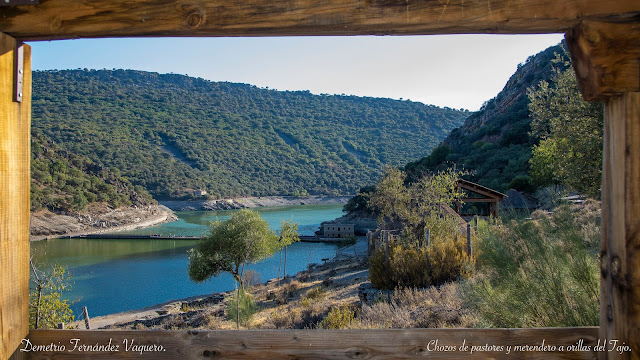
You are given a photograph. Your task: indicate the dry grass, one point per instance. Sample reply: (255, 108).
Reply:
(418, 308)
(307, 300)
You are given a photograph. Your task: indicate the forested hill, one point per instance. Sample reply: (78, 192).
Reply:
(494, 144)
(65, 182)
(173, 134)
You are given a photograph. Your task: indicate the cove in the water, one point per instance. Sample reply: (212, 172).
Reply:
(115, 275)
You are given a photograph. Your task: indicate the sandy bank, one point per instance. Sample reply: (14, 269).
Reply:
(47, 225)
(253, 202)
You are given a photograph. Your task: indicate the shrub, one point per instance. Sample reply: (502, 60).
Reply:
(46, 306)
(247, 307)
(340, 317)
(407, 267)
(540, 272)
(448, 260)
(443, 261)
(316, 293)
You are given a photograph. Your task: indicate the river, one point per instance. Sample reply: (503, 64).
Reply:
(115, 275)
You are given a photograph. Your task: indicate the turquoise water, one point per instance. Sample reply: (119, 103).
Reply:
(114, 275)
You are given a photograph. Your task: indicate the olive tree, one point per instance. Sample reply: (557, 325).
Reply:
(242, 239)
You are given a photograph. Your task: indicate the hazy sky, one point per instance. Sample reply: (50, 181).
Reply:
(458, 71)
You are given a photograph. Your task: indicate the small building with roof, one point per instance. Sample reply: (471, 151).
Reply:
(478, 200)
(338, 230)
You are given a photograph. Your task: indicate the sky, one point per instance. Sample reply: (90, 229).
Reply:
(457, 71)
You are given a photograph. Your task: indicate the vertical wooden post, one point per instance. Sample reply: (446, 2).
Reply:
(85, 315)
(427, 235)
(386, 248)
(620, 248)
(15, 123)
(469, 239)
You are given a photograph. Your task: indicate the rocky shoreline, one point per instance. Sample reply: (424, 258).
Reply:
(102, 219)
(48, 225)
(252, 202)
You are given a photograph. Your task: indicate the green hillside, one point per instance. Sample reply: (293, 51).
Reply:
(173, 134)
(65, 182)
(494, 144)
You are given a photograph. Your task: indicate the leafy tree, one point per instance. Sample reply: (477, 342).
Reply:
(242, 239)
(416, 206)
(46, 307)
(288, 235)
(360, 202)
(570, 132)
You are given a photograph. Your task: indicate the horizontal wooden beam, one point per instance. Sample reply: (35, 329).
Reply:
(479, 200)
(606, 58)
(315, 344)
(67, 19)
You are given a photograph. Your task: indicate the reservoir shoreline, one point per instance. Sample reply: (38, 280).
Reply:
(252, 202)
(47, 225)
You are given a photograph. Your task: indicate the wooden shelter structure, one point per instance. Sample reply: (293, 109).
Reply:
(476, 193)
(603, 37)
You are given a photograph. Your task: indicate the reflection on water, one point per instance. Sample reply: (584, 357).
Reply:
(114, 275)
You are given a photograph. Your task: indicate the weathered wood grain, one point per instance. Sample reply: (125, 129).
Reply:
(605, 58)
(620, 275)
(15, 123)
(317, 344)
(66, 19)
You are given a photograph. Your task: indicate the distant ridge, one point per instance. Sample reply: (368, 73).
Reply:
(173, 134)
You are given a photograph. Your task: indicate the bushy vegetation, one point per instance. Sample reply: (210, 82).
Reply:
(444, 260)
(65, 182)
(46, 307)
(241, 307)
(172, 134)
(540, 272)
(569, 130)
(340, 317)
(412, 209)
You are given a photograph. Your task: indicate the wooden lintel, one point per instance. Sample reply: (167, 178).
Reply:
(606, 58)
(67, 19)
(480, 200)
(480, 191)
(315, 344)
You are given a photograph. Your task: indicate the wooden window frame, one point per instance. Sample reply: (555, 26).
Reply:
(603, 37)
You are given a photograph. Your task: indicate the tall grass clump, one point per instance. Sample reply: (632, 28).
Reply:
(541, 272)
